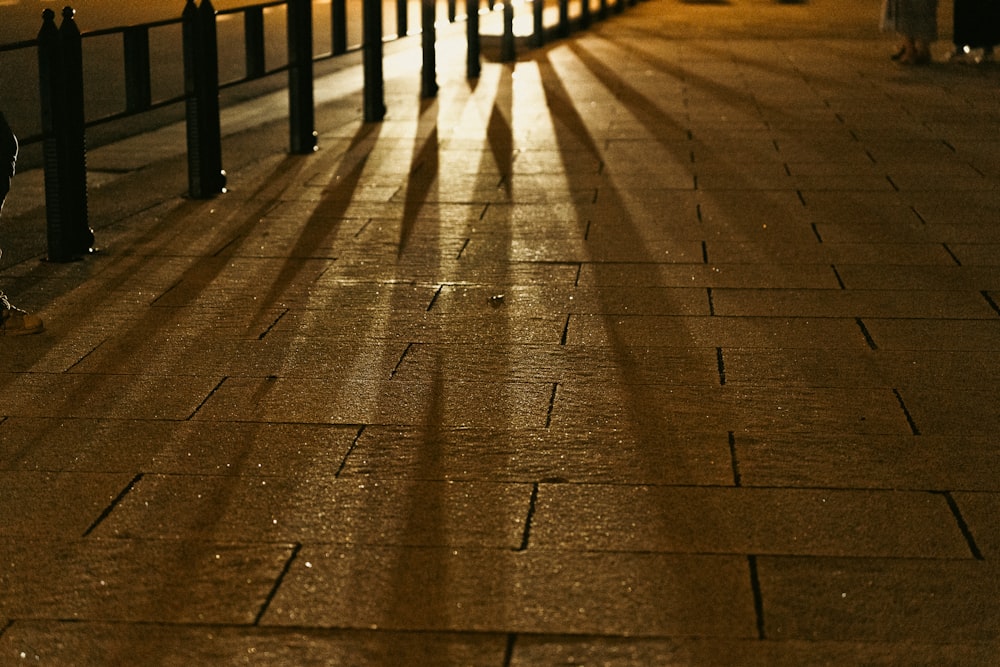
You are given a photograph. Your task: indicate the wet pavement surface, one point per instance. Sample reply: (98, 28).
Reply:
(674, 342)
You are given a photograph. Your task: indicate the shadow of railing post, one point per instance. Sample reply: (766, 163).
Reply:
(206, 177)
(301, 96)
(60, 68)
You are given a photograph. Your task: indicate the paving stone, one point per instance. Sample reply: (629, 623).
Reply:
(870, 368)
(916, 278)
(138, 581)
(557, 363)
(929, 462)
(654, 409)
(789, 333)
(571, 453)
(851, 302)
(171, 447)
(740, 252)
(113, 396)
(68, 644)
(758, 276)
(953, 411)
(504, 591)
(48, 504)
(314, 401)
(320, 508)
(821, 599)
(625, 652)
(737, 520)
(917, 334)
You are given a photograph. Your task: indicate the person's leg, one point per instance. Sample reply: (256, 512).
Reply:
(13, 320)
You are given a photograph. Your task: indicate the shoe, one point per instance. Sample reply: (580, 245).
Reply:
(915, 58)
(16, 322)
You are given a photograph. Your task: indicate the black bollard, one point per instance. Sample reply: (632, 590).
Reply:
(75, 136)
(428, 43)
(254, 42)
(473, 66)
(538, 23)
(301, 96)
(374, 92)
(201, 87)
(402, 18)
(138, 86)
(60, 69)
(338, 25)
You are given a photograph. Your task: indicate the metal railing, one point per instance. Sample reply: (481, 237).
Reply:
(61, 84)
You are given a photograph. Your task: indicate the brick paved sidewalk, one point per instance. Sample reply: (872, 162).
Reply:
(673, 343)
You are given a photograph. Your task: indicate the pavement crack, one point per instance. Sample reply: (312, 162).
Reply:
(207, 398)
(350, 450)
(402, 357)
(734, 459)
(991, 302)
(758, 598)
(867, 334)
(906, 412)
(951, 254)
(277, 583)
(114, 503)
(435, 297)
(273, 324)
(836, 274)
(552, 404)
(532, 503)
(508, 654)
(962, 525)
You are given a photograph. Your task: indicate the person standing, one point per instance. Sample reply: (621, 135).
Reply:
(976, 30)
(13, 320)
(916, 22)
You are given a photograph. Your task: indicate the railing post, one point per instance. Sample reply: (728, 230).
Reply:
(428, 43)
(253, 41)
(602, 12)
(564, 18)
(374, 92)
(452, 11)
(402, 19)
(508, 48)
(473, 66)
(60, 68)
(138, 88)
(585, 19)
(538, 23)
(301, 97)
(338, 24)
(201, 87)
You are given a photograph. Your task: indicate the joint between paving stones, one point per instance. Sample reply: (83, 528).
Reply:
(758, 598)
(273, 324)
(114, 503)
(508, 653)
(951, 254)
(350, 450)
(277, 584)
(210, 395)
(963, 526)
(552, 405)
(532, 503)
(867, 334)
(735, 461)
(906, 412)
(991, 302)
(399, 363)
